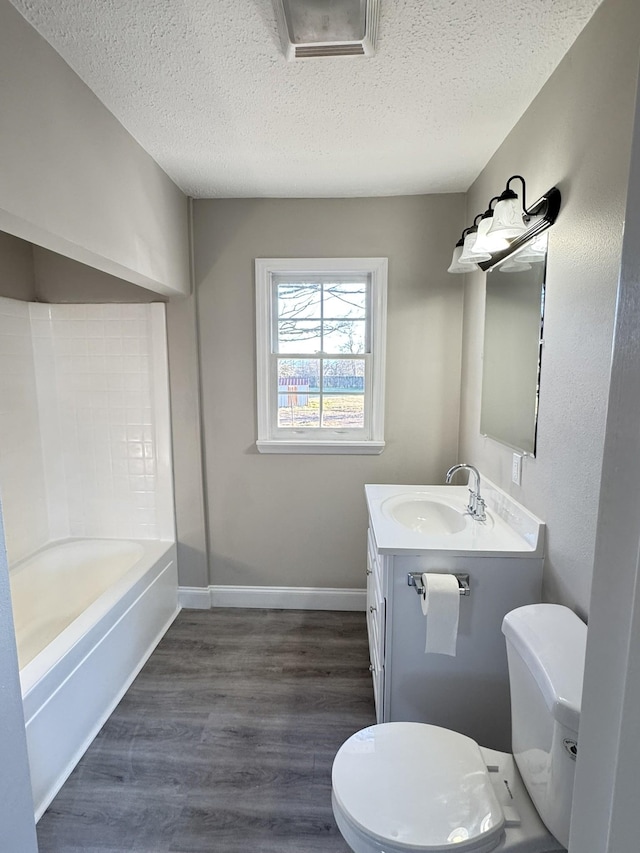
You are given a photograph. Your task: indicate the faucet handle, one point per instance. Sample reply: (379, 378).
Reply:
(479, 507)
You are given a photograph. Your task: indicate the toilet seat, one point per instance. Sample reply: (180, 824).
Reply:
(400, 787)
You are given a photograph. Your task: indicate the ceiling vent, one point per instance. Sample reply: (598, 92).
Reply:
(313, 28)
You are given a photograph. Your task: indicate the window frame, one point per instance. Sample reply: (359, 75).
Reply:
(273, 439)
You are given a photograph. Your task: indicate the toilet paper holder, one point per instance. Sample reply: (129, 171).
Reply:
(414, 579)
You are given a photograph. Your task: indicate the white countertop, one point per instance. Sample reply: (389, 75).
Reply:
(510, 529)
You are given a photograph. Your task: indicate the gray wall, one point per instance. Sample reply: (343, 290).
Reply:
(576, 134)
(301, 520)
(188, 474)
(17, 275)
(61, 279)
(31, 273)
(72, 178)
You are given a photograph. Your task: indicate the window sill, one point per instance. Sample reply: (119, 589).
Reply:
(360, 448)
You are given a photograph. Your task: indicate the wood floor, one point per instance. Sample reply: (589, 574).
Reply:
(224, 742)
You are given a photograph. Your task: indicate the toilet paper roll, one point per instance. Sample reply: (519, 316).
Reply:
(441, 606)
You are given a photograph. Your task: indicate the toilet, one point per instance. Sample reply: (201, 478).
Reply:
(400, 787)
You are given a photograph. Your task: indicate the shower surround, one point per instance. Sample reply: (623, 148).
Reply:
(85, 478)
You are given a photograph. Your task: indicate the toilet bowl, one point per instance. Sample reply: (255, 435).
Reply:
(400, 787)
(406, 787)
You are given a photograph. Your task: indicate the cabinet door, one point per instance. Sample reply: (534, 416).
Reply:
(370, 600)
(377, 614)
(376, 627)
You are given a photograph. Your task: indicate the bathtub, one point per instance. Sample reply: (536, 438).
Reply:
(88, 613)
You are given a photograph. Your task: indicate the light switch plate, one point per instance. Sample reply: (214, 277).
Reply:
(516, 469)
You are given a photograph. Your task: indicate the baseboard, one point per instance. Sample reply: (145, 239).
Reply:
(273, 597)
(194, 597)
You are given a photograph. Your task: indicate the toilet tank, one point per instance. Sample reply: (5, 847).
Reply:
(545, 652)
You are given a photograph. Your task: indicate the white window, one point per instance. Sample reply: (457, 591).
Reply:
(320, 330)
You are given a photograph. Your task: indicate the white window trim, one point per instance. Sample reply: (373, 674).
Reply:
(264, 269)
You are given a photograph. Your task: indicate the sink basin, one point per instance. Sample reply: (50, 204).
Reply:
(424, 515)
(410, 520)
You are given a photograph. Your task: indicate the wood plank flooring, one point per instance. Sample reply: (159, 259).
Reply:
(224, 742)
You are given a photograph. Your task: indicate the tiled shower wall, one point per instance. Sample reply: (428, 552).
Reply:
(102, 432)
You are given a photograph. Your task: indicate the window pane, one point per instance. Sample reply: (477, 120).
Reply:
(345, 299)
(298, 411)
(299, 300)
(343, 399)
(301, 370)
(299, 336)
(298, 397)
(343, 411)
(344, 336)
(343, 375)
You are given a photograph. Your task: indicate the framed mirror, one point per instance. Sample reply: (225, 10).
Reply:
(514, 317)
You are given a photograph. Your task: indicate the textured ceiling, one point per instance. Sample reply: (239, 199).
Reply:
(204, 88)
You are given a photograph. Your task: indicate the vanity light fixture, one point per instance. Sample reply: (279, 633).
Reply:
(504, 229)
(314, 28)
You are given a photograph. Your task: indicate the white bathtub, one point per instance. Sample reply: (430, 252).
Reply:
(88, 613)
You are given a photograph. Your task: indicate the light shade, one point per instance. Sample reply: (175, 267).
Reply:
(487, 242)
(456, 266)
(469, 254)
(508, 221)
(534, 251)
(512, 265)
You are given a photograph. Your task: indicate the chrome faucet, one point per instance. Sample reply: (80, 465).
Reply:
(476, 506)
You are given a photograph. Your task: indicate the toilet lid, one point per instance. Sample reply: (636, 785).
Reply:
(419, 786)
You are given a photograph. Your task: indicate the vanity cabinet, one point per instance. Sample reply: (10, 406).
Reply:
(468, 693)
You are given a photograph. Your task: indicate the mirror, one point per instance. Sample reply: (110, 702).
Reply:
(514, 313)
